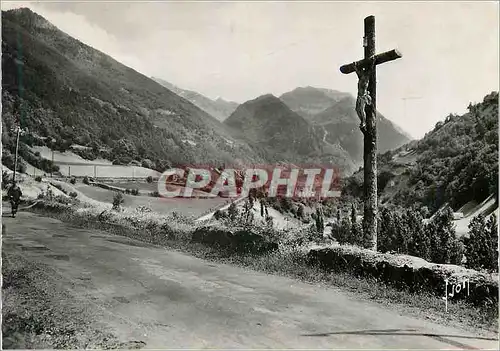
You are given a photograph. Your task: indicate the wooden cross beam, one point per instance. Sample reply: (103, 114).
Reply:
(370, 130)
(379, 59)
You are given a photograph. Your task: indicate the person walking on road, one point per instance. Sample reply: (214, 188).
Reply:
(14, 195)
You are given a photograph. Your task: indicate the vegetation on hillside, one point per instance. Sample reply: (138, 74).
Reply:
(482, 243)
(67, 91)
(455, 163)
(269, 124)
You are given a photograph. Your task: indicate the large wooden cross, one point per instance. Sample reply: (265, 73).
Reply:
(369, 130)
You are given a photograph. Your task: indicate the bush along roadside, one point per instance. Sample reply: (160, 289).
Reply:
(281, 253)
(162, 230)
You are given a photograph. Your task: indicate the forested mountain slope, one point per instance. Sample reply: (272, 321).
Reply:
(78, 95)
(455, 163)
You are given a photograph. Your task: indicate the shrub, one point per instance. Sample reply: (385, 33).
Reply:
(86, 180)
(147, 163)
(300, 211)
(134, 192)
(38, 179)
(5, 180)
(149, 179)
(143, 209)
(219, 214)
(7, 159)
(127, 191)
(73, 180)
(481, 246)
(73, 194)
(118, 200)
(232, 211)
(269, 221)
(61, 199)
(49, 194)
(153, 194)
(59, 187)
(344, 231)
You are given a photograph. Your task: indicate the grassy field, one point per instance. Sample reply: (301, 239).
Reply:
(70, 164)
(66, 157)
(105, 171)
(188, 206)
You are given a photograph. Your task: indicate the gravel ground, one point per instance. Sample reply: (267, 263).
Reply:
(39, 310)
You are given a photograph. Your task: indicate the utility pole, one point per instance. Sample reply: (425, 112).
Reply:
(15, 159)
(20, 89)
(370, 130)
(51, 168)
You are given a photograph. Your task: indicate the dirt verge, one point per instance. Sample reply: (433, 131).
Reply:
(39, 311)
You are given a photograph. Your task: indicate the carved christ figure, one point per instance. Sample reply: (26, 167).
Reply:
(364, 97)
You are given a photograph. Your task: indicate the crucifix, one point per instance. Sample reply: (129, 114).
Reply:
(367, 112)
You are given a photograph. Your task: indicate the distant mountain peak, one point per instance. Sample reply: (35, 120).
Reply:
(334, 111)
(218, 108)
(266, 96)
(26, 16)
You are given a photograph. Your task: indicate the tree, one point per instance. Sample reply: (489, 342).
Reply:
(356, 237)
(320, 224)
(247, 211)
(401, 232)
(118, 200)
(419, 244)
(481, 245)
(445, 246)
(386, 232)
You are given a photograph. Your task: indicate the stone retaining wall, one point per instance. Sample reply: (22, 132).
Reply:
(408, 272)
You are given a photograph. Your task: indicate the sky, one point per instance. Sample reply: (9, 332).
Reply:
(241, 50)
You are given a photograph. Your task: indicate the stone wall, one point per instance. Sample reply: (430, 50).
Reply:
(408, 272)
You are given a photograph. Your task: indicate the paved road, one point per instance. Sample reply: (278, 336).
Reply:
(171, 300)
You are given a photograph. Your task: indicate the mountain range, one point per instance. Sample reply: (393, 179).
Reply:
(75, 94)
(219, 108)
(334, 112)
(267, 122)
(80, 95)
